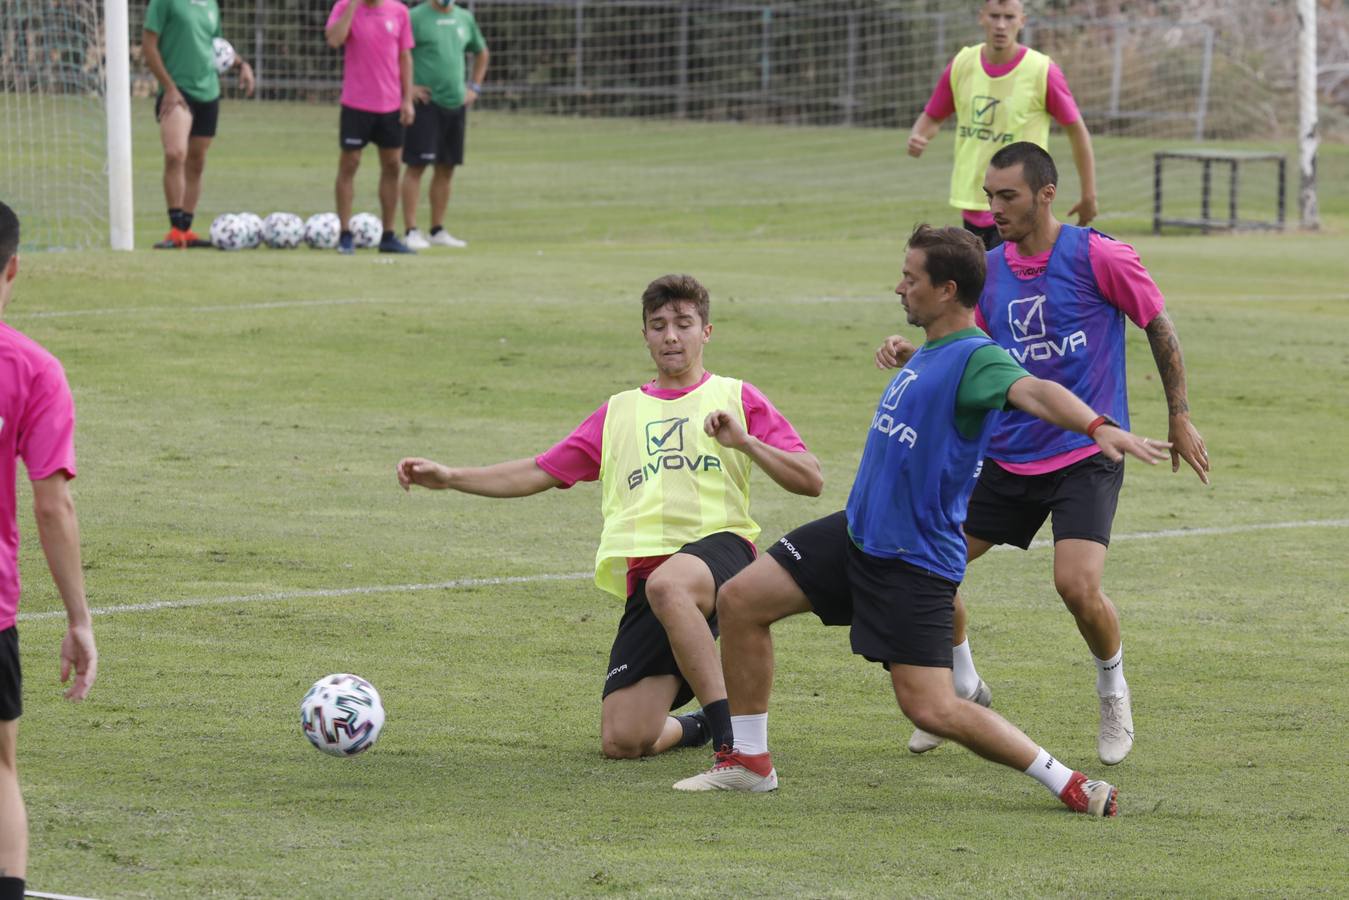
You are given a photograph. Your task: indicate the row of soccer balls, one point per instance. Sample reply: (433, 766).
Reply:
(284, 231)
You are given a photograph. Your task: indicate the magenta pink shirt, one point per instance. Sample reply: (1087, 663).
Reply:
(1124, 283)
(37, 425)
(1058, 101)
(370, 79)
(577, 456)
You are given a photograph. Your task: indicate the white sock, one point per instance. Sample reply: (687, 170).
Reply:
(751, 734)
(1110, 674)
(966, 678)
(1050, 772)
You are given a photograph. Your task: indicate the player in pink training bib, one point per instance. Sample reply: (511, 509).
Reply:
(37, 425)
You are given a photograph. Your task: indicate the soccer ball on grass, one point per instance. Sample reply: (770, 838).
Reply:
(227, 232)
(283, 231)
(342, 715)
(366, 229)
(321, 231)
(251, 226)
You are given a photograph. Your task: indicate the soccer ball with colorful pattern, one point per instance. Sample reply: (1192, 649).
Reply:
(222, 51)
(366, 229)
(283, 231)
(342, 715)
(321, 231)
(227, 233)
(251, 225)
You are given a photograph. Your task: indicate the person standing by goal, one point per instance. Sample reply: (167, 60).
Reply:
(178, 47)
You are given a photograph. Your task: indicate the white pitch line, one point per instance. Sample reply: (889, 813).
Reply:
(578, 576)
(47, 896)
(217, 307)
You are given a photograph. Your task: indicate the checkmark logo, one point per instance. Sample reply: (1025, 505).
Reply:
(983, 109)
(1028, 318)
(897, 388)
(665, 436)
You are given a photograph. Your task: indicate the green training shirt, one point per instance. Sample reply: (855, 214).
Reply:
(983, 388)
(185, 29)
(443, 36)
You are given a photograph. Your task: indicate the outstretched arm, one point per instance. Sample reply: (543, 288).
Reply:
(517, 478)
(58, 530)
(1055, 404)
(1186, 442)
(1085, 160)
(795, 472)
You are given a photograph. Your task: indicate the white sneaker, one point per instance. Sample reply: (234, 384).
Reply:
(1116, 737)
(921, 741)
(415, 240)
(443, 238)
(735, 772)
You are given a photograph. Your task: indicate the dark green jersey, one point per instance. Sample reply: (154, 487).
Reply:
(185, 29)
(443, 36)
(984, 384)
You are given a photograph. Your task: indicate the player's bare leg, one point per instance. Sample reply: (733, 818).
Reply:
(968, 683)
(347, 164)
(927, 696)
(635, 720)
(174, 127)
(389, 168)
(13, 816)
(682, 594)
(747, 607)
(1079, 567)
(440, 194)
(411, 187)
(193, 167)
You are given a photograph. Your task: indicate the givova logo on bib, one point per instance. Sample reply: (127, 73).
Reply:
(1027, 320)
(665, 444)
(887, 424)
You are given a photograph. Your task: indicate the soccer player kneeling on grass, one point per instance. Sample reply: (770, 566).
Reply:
(674, 459)
(444, 33)
(37, 425)
(888, 565)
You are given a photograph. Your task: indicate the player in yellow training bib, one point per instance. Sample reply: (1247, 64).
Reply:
(673, 459)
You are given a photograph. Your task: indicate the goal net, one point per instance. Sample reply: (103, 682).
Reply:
(52, 122)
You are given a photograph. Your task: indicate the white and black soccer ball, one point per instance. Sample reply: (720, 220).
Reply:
(251, 226)
(321, 231)
(227, 233)
(366, 230)
(342, 715)
(222, 51)
(283, 231)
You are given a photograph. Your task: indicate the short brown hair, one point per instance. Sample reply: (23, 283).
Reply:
(672, 289)
(953, 254)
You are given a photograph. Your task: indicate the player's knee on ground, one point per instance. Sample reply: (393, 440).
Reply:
(617, 743)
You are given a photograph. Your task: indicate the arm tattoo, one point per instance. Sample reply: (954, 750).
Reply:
(1170, 364)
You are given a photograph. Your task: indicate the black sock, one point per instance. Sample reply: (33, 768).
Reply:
(11, 888)
(719, 720)
(386, 236)
(176, 218)
(435, 229)
(187, 220)
(695, 730)
(345, 235)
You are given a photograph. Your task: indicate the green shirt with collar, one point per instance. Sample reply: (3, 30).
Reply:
(185, 29)
(443, 36)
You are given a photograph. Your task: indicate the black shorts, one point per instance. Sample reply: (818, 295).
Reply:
(357, 128)
(988, 235)
(11, 683)
(436, 136)
(205, 116)
(899, 612)
(641, 648)
(1009, 509)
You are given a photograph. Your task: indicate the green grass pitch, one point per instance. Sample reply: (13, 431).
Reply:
(241, 414)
